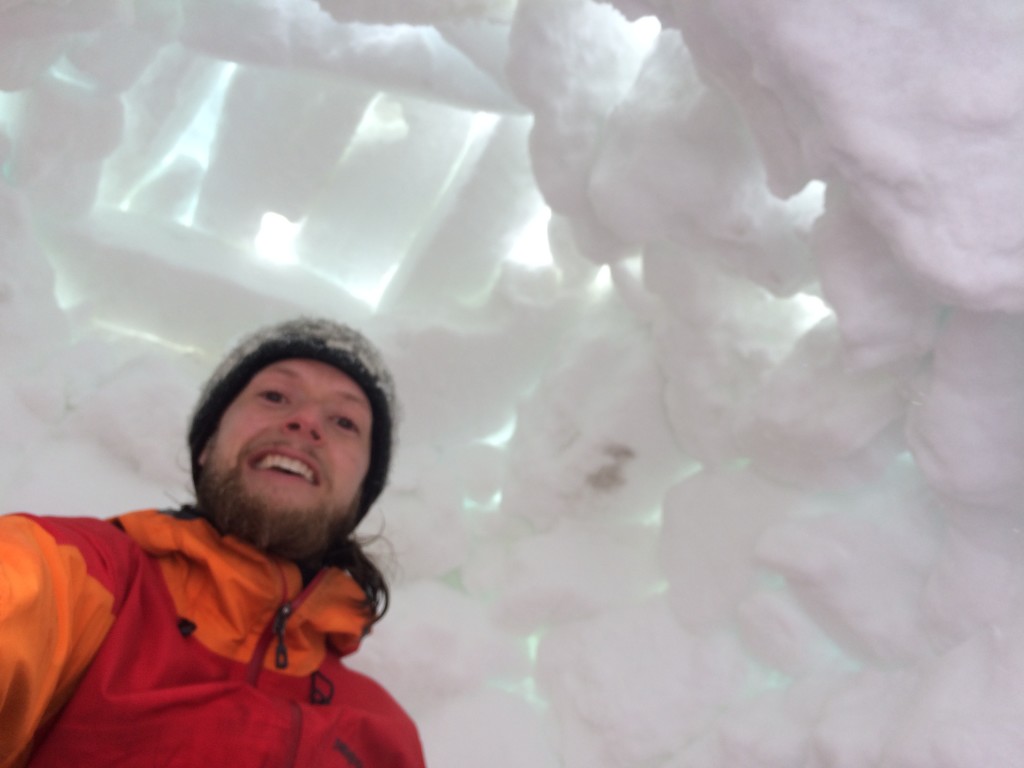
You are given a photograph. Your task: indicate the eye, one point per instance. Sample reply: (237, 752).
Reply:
(272, 396)
(346, 423)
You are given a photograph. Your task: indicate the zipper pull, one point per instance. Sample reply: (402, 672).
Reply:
(281, 655)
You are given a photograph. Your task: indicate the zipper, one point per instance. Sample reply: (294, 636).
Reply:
(280, 619)
(275, 630)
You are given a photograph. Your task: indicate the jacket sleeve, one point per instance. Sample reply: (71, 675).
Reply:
(57, 603)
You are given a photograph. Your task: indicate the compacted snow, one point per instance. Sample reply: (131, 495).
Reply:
(707, 318)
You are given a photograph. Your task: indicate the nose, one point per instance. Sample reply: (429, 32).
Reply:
(304, 421)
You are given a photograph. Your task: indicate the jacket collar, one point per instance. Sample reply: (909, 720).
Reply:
(231, 591)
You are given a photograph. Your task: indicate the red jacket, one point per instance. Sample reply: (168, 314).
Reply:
(173, 646)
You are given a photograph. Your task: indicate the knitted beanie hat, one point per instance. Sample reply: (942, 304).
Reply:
(312, 339)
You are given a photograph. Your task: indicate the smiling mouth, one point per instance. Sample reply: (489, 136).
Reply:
(288, 466)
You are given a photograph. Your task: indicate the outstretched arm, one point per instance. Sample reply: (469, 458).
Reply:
(54, 614)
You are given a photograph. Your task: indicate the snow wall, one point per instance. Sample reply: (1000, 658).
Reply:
(707, 318)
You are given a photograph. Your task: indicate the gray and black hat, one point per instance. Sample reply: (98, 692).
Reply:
(313, 339)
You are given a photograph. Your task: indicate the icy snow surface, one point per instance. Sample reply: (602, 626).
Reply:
(707, 318)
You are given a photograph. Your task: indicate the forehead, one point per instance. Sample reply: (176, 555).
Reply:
(313, 374)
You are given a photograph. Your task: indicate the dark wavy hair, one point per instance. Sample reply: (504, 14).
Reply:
(350, 556)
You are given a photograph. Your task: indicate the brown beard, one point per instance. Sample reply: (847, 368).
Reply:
(303, 535)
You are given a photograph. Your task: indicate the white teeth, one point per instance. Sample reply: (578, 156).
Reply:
(294, 466)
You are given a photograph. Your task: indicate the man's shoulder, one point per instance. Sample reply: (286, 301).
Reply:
(113, 531)
(363, 692)
(80, 530)
(99, 545)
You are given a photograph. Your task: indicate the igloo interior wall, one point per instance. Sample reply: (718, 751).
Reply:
(706, 317)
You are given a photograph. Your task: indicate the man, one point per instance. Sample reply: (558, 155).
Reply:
(212, 634)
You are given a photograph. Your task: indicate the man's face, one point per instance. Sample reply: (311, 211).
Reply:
(285, 466)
